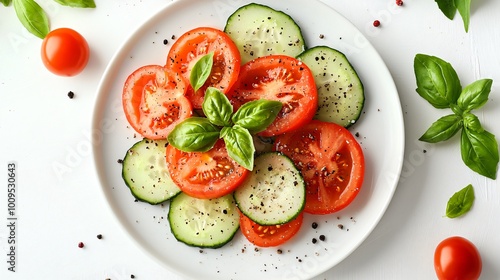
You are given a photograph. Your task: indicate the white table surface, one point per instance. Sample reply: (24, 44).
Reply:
(40, 127)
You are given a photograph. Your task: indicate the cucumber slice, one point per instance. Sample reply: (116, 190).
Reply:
(259, 30)
(340, 92)
(274, 193)
(144, 170)
(204, 223)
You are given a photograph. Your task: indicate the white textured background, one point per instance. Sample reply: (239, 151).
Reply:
(41, 127)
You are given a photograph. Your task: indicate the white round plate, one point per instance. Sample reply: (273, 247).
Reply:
(380, 131)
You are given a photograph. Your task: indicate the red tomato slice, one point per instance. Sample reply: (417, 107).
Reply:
(209, 174)
(281, 78)
(154, 102)
(194, 44)
(331, 162)
(269, 236)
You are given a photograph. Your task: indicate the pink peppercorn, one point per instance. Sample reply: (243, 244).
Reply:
(376, 23)
(80, 245)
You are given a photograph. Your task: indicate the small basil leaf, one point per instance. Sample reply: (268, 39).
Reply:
(475, 95)
(460, 203)
(216, 107)
(437, 81)
(33, 17)
(447, 7)
(5, 2)
(194, 134)
(201, 71)
(443, 129)
(239, 145)
(463, 7)
(480, 152)
(471, 122)
(77, 3)
(257, 115)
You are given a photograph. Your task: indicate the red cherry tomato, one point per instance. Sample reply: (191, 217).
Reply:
(456, 258)
(65, 52)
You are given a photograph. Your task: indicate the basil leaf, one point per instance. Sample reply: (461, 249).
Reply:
(443, 129)
(194, 134)
(475, 95)
(447, 7)
(437, 81)
(471, 122)
(239, 145)
(5, 2)
(463, 7)
(257, 115)
(460, 203)
(33, 17)
(480, 152)
(77, 3)
(216, 107)
(201, 70)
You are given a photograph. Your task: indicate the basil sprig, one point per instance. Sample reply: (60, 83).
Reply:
(199, 134)
(438, 83)
(34, 18)
(201, 71)
(461, 202)
(450, 8)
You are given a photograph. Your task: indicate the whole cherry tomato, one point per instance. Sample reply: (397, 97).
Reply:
(456, 258)
(65, 52)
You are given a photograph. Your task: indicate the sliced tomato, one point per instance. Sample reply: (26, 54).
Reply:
(209, 174)
(154, 102)
(269, 236)
(331, 162)
(281, 78)
(193, 45)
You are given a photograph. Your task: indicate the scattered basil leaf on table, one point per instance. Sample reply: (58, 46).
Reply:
(463, 7)
(195, 134)
(443, 129)
(480, 152)
(217, 107)
(257, 115)
(447, 7)
(33, 17)
(77, 3)
(199, 134)
(438, 83)
(450, 7)
(460, 203)
(239, 145)
(201, 71)
(475, 95)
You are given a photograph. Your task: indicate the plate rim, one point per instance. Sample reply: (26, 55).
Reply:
(100, 99)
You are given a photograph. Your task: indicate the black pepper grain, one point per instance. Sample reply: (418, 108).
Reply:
(165, 41)
(132, 276)
(314, 225)
(99, 236)
(322, 237)
(314, 240)
(120, 161)
(71, 94)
